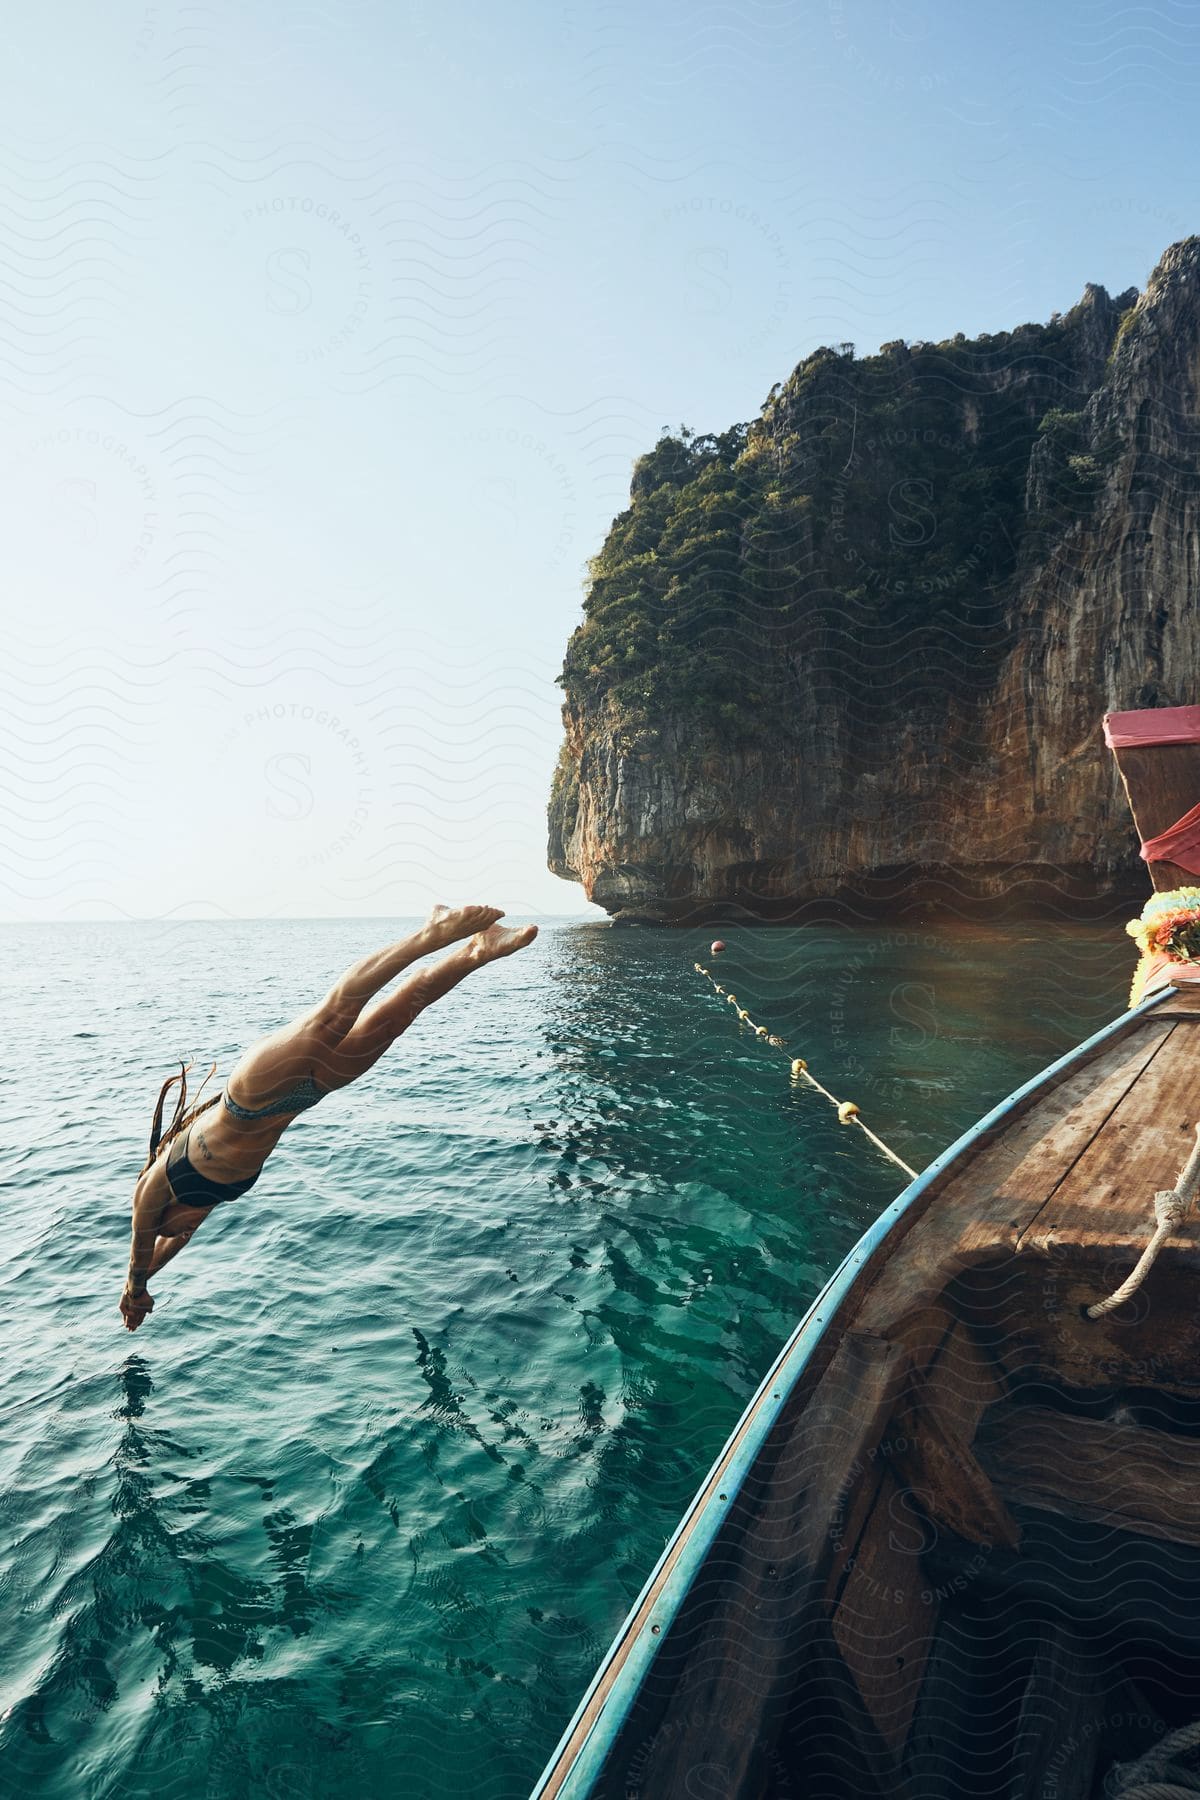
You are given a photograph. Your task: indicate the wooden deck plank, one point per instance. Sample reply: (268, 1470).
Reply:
(929, 1443)
(1184, 1003)
(1106, 1198)
(1061, 1720)
(962, 1382)
(1032, 1310)
(923, 1337)
(987, 1204)
(956, 1741)
(1130, 1476)
(1069, 1566)
(886, 1619)
(944, 1478)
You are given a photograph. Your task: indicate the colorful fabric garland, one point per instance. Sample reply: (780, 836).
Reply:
(1168, 935)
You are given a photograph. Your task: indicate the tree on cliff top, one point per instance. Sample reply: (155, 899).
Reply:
(860, 531)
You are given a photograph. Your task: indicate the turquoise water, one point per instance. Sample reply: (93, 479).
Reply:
(359, 1508)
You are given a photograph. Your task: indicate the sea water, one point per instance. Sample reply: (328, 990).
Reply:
(358, 1509)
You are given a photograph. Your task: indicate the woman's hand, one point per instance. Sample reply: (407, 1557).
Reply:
(135, 1308)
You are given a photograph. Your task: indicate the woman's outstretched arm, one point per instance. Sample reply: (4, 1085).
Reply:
(147, 1213)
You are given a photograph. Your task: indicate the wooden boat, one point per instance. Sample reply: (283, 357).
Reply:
(953, 1545)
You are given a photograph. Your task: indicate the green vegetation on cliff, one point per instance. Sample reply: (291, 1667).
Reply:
(872, 515)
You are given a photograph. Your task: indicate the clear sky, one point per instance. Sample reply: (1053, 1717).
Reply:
(329, 333)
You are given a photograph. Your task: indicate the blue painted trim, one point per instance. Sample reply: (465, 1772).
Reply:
(702, 1522)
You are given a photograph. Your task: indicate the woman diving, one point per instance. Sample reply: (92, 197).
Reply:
(205, 1157)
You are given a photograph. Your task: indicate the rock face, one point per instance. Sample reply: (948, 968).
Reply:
(858, 652)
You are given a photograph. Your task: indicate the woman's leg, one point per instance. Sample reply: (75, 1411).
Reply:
(445, 925)
(304, 1047)
(367, 1040)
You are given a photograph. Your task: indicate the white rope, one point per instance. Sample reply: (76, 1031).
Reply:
(1170, 1209)
(847, 1111)
(1156, 1776)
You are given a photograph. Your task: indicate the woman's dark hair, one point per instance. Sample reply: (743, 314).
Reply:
(183, 1115)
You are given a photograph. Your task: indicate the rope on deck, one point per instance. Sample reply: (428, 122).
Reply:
(847, 1111)
(1158, 1775)
(1170, 1209)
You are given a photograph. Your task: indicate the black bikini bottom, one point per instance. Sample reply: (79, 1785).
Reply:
(190, 1188)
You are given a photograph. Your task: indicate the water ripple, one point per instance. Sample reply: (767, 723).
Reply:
(410, 1425)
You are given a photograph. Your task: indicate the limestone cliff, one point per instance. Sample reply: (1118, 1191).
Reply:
(858, 651)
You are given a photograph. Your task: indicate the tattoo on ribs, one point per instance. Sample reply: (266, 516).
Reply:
(203, 1143)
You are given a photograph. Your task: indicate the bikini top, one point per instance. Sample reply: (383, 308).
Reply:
(306, 1093)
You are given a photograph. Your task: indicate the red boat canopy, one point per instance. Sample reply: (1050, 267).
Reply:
(1155, 725)
(1158, 754)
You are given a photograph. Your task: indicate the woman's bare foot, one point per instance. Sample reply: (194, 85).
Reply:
(499, 940)
(446, 924)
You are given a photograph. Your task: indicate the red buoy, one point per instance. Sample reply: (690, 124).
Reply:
(717, 946)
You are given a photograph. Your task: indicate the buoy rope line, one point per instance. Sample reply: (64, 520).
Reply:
(1171, 1205)
(1170, 1209)
(847, 1111)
